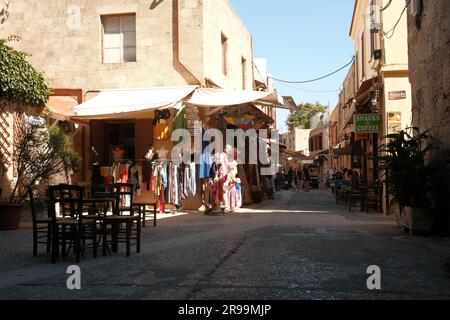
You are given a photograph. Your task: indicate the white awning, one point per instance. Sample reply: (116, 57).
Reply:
(110, 104)
(207, 97)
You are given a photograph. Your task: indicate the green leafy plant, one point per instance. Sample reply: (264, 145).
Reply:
(301, 116)
(40, 154)
(19, 80)
(409, 172)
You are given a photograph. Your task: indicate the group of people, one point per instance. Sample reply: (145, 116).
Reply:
(301, 177)
(351, 176)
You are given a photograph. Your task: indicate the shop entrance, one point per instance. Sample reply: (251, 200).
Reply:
(105, 135)
(121, 134)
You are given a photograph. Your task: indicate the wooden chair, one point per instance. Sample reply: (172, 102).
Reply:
(356, 199)
(123, 216)
(71, 226)
(142, 209)
(87, 188)
(42, 227)
(373, 199)
(342, 195)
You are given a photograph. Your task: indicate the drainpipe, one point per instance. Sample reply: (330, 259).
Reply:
(200, 82)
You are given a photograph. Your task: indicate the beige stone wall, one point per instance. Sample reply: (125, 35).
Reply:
(403, 106)
(64, 38)
(429, 54)
(220, 17)
(66, 43)
(396, 48)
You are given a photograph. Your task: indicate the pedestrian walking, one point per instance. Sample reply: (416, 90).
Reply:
(290, 178)
(306, 177)
(299, 178)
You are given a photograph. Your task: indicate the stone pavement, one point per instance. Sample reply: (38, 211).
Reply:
(299, 246)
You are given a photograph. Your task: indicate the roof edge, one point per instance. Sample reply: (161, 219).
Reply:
(353, 18)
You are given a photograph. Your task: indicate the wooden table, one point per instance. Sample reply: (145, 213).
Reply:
(142, 206)
(97, 201)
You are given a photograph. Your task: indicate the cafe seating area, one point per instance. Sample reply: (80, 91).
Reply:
(79, 224)
(361, 196)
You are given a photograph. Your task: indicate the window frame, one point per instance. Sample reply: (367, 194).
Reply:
(224, 46)
(102, 25)
(244, 72)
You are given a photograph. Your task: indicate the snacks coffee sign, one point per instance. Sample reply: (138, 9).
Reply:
(367, 123)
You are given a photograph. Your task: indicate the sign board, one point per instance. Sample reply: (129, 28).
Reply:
(394, 122)
(397, 95)
(367, 123)
(361, 136)
(35, 121)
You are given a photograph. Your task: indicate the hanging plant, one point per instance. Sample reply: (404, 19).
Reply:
(19, 80)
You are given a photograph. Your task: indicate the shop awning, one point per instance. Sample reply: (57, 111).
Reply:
(61, 107)
(207, 97)
(364, 89)
(343, 149)
(113, 104)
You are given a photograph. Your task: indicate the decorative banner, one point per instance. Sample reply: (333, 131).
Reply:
(367, 123)
(243, 122)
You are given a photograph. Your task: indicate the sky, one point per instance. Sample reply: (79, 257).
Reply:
(302, 40)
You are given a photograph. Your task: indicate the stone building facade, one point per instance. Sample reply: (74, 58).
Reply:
(429, 57)
(429, 54)
(85, 46)
(177, 42)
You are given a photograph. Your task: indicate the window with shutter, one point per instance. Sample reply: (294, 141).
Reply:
(119, 38)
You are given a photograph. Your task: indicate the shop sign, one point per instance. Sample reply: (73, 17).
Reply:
(367, 123)
(361, 136)
(397, 95)
(394, 122)
(35, 121)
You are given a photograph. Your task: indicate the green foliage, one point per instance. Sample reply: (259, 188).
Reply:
(19, 81)
(40, 153)
(409, 175)
(301, 116)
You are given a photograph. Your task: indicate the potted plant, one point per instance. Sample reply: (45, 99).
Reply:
(39, 154)
(408, 177)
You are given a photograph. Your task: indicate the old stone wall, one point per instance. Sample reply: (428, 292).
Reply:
(429, 56)
(221, 18)
(177, 42)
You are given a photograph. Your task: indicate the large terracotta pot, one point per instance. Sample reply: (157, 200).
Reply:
(10, 215)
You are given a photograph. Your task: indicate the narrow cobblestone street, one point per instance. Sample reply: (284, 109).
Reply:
(299, 246)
